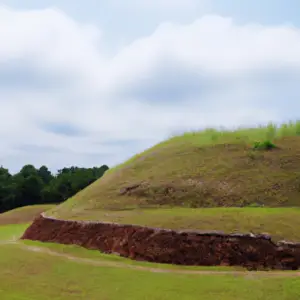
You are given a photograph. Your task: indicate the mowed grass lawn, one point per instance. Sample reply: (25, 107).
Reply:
(27, 275)
(12, 231)
(38, 276)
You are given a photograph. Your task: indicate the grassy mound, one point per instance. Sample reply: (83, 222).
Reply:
(247, 167)
(23, 214)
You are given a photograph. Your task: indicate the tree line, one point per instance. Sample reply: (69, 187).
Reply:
(39, 186)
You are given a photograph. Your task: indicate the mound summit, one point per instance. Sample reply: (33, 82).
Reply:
(203, 169)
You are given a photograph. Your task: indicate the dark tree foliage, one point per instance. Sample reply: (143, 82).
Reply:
(39, 186)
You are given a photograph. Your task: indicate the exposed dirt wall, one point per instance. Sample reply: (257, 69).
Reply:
(169, 246)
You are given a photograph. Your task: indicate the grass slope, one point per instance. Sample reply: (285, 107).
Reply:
(23, 214)
(200, 169)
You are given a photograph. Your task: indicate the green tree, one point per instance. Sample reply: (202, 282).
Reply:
(45, 174)
(35, 186)
(7, 190)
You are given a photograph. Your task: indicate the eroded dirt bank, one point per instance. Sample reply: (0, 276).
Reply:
(169, 246)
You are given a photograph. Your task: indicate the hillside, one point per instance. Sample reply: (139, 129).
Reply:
(23, 214)
(203, 169)
(199, 170)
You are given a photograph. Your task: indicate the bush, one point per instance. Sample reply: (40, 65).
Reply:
(255, 204)
(266, 145)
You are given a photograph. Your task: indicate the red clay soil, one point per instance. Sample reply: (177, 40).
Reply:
(168, 246)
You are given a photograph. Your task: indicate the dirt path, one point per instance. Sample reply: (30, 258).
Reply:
(102, 263)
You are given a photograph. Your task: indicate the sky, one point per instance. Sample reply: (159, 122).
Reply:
(94, 82)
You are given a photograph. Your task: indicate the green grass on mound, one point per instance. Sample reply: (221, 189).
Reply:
(23, 214)
(246, 167)
(280, 223)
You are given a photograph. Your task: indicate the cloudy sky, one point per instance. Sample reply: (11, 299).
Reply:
(93, 82)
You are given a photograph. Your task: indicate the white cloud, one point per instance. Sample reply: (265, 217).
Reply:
(108, 99)
(212, 44)
(170, 6)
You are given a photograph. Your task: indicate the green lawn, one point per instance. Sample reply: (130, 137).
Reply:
(30, 276)
(8, 232)
(27, 275)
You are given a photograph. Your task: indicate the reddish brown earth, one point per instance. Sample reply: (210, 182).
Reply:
(169, 246)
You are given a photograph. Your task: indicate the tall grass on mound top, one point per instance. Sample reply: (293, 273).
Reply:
(268, 132)
(212, 136)
(265, 145)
